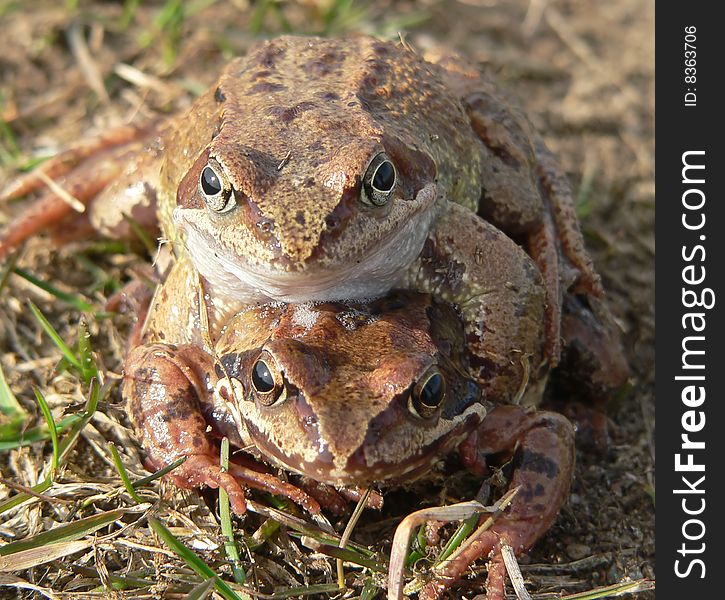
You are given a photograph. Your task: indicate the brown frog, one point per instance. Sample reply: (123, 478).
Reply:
(322, 169)
(349, 394)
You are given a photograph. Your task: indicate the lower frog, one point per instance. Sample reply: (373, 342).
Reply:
(349, 394)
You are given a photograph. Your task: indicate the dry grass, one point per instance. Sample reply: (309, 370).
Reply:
(586, 74)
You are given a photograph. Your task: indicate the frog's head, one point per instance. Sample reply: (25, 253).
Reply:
(319, 182)
(356, 395)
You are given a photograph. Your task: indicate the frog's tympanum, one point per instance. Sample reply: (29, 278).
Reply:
(347, 394)
(319, 170)
(325, 169)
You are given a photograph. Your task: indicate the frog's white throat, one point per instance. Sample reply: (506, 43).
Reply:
(375, 275)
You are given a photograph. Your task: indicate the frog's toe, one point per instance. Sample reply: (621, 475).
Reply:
(274, 485)
(338, 501)
(201, 470)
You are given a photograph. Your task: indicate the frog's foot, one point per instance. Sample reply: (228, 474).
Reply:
(593, 363)
(85, 177)
(200, 470)
(524, 191)
(338, 501)
(542, 468)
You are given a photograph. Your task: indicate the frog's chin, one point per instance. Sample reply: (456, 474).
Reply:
(375, 274)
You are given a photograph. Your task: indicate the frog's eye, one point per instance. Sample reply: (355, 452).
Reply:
(378, 184)
(428, 394)
(216, 189)
(266, 381)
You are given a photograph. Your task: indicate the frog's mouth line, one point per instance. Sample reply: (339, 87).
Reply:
(369, 277)
(357, 472)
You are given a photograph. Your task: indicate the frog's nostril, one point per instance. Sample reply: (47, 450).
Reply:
(266, 226)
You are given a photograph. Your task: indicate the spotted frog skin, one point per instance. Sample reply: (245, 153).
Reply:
(348, 394)
(323, 169)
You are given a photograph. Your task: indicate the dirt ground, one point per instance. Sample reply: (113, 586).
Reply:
(583, 69)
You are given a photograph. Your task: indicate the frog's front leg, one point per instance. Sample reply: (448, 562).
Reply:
(167, 390)
(107, 177)
(543, 463)
(501, 296)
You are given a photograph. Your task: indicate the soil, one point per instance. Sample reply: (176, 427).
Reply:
(584, 71)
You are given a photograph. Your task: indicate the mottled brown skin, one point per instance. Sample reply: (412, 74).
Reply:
(292, 128)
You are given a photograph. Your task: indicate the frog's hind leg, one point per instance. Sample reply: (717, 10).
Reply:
(593, 368)
(66, 161)
(523, 191)
(543, 463)
(81, 185)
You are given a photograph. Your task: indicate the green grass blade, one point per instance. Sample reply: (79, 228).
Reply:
(89, 370)
(118, 582)
(7, 269)
(201, 591)
(158, 474)
(141, 234)
(12, 415)
(610, 591)
(65, 445)
(230, 544)
(463, 531)
(306, 590)
(18, 499)
(64, 533)
(370, 590)
(53, 334)
(36, 434)
(344, 554)
(52, 430)
(95, 393)
(70, 299)
(193, 561)
(124, 475)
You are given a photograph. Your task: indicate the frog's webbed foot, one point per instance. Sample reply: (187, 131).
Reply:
(165, 387)
(501, 296)
(543, 462)
(101, 178)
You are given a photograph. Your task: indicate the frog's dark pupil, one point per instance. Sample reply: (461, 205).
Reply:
(210, 183)
(384, 178)
(432, 392)
(262, 378)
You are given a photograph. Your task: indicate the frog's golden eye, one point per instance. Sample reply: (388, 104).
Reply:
(379, 181)
(266, 381)
(215, 188)
(428, 394)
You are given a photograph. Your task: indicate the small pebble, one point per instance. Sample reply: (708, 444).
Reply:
(578, 551)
